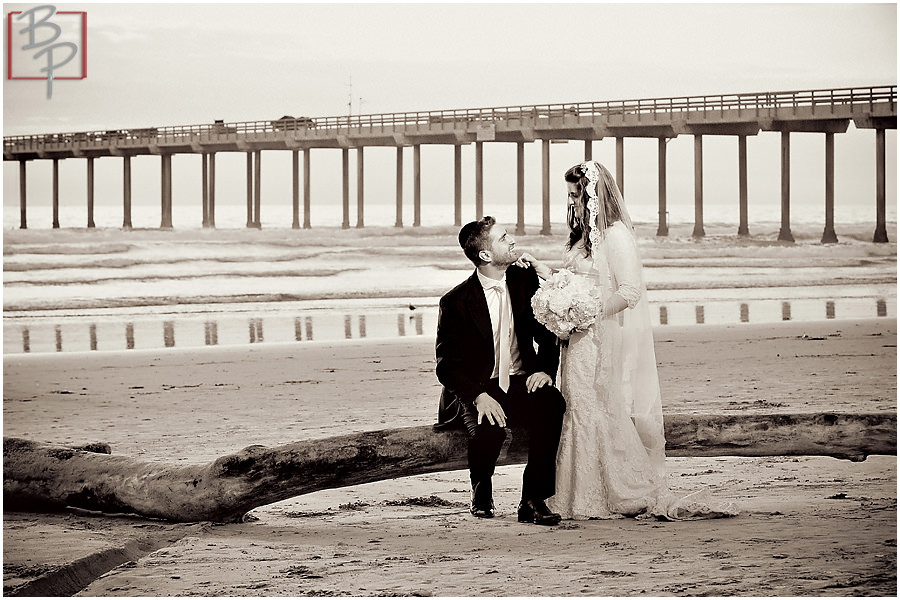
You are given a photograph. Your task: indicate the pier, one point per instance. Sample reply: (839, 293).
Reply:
(824, 111)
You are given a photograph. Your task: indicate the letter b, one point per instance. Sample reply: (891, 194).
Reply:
(34, 24)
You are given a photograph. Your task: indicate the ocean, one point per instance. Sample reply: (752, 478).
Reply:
(108, 289)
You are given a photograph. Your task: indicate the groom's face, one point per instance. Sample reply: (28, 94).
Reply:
(503, 247)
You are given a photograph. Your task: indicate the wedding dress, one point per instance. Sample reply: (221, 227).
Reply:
(611, 459)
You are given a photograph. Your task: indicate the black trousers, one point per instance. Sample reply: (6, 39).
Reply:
(541, 413)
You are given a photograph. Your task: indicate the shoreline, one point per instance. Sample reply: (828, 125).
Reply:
(107, 332)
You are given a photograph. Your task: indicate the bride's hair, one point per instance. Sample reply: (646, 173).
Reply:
(580, 229)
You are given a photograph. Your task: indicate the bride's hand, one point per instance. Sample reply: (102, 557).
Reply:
(526, 260)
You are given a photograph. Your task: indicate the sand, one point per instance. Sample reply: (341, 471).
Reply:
(808, 526)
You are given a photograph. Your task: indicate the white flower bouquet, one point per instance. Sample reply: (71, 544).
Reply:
(566, 303)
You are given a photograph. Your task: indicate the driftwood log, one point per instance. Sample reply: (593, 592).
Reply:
(41, 476)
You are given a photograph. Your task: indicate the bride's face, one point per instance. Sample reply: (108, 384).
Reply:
(575, 202)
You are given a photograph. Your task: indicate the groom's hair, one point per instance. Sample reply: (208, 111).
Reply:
(475, 237)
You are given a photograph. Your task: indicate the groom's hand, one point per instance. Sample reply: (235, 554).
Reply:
(490, 408)
(537, 380)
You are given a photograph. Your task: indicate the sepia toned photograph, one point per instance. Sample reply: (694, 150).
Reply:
(453, 300)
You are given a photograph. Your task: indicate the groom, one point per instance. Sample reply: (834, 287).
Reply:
(492, 375)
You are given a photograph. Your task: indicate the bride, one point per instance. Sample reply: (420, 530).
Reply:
(611, 458)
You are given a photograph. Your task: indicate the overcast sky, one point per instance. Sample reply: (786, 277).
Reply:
(174, 64)
(152, 64)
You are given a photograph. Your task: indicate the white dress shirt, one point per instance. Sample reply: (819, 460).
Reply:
(492, 296)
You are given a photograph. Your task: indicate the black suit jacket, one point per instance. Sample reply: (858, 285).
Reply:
(465, 340)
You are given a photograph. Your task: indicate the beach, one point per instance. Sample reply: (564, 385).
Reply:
(808, 525)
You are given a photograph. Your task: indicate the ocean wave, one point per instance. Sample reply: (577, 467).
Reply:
(372, 274)
(82, 303)
(67, 249)
(65, 269)
(213, 256)
(734, 289)
(203, 256)
(125, 277)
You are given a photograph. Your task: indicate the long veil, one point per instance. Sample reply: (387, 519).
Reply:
(627, 365)
(636, 372)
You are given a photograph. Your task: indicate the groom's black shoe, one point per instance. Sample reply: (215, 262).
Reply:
(483, 511)
(535, 511)
(482, 500)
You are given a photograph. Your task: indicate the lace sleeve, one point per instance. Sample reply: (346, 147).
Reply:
(624, 263)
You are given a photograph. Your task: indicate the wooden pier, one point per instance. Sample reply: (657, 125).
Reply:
(827, 112)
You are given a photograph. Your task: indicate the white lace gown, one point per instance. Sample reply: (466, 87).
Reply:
(611, 459)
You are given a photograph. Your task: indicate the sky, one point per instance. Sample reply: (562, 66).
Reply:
(179, 64)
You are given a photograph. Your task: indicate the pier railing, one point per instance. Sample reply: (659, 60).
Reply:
(759, 104)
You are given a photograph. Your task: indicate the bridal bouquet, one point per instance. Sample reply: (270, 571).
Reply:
(566, 303)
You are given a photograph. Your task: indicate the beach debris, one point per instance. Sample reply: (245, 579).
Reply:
(300, 571)
(423, 501)
(695, 474)
(302, 514)
(97, 447)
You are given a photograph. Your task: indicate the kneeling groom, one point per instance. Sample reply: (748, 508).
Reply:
(492, 375)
